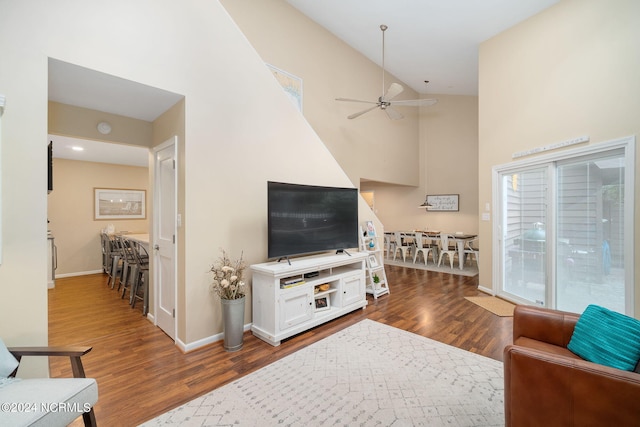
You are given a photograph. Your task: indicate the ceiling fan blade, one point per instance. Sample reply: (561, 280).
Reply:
(415, 102)
(394, 90)
(355, 100)
(393, 113)
(353, 116)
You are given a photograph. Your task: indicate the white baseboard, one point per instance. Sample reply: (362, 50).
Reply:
(80, 273)
(486, 290)
(205, 341)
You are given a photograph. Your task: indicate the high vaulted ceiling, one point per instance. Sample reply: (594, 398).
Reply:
(434, 40)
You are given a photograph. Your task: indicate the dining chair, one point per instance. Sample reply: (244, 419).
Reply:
(401, 245)
(423, 248)
(470, 250)
(446, 250)
(389, 244)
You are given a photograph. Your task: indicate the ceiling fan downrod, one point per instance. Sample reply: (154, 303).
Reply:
(383, 28)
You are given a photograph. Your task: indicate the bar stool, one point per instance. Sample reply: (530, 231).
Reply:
(141, 279)
(115, 260)
(106, 260)
(107, 255)
(128, 265)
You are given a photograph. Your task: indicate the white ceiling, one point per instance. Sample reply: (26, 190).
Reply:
(74, 85)
(434, 40)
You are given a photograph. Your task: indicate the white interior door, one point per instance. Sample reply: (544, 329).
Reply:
(164, 236)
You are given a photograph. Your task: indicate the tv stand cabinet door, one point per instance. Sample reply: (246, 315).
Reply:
(353, 290)
(296, 307)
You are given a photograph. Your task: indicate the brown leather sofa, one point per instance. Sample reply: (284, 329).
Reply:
(547, 385)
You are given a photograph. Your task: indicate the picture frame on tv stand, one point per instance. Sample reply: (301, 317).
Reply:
(322, 303)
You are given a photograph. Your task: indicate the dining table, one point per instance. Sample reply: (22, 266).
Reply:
(459, 237)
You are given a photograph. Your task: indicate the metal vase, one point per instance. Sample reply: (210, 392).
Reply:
(233, 322)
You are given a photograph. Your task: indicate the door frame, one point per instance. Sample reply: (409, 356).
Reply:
(156, 188)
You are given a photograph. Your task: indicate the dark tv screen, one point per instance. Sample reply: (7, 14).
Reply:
(305, 219)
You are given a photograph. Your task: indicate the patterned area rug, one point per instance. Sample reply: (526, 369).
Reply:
(367, 374)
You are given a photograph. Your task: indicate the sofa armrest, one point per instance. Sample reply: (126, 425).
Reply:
(542, 324)
(74, 354)
(548, 389)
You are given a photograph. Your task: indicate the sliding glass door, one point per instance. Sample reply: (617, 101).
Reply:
(590, 221)
(563, 230)
(524, 223)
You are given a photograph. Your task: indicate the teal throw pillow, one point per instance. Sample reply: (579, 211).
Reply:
(606, 337)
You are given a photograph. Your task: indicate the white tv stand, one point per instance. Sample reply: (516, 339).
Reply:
(284, 301)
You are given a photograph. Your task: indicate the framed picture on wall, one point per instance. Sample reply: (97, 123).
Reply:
(291, 84)
(443, 202)
(116, 203)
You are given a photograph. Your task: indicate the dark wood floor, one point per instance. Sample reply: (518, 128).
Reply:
(141, 373)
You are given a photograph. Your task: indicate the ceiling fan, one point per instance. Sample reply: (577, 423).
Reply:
(385, 102)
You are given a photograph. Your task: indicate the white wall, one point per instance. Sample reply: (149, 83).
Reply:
(240, 131)
(570, 71)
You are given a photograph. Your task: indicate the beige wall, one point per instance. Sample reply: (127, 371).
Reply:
(570, 71)
(69, 120)
(448, 165)
(240, 131)
(71, 211)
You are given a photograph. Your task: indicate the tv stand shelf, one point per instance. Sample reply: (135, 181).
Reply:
(282, 310)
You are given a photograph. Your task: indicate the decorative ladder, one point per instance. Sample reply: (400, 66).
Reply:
(376, 280)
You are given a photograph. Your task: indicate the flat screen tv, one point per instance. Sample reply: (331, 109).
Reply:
(304, 219)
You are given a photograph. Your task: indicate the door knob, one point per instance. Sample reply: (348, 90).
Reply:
(156, 247)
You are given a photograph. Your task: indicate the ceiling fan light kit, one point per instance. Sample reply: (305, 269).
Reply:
(386, 102)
